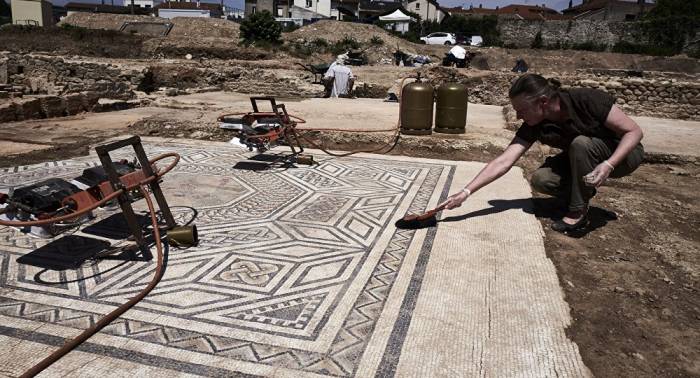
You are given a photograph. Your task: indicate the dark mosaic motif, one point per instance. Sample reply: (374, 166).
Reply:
(281, 254)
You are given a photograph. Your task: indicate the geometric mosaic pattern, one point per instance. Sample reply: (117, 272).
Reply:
(293, 268)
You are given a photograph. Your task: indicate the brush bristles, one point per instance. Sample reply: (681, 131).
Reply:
(415, 223)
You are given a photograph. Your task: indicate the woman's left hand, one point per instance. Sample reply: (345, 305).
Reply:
(598, 175)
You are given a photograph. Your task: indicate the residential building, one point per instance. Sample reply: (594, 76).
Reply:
(315, 7)
(529, 12)
(345, 9)
(609, 10)
(272, 6)
(371, 10)
(428, 10)
(74, 7)
(58, 13)
(141, 3)
(232, 13)
(32, 12)
(171, 9)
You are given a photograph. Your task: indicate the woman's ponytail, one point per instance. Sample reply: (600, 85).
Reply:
(533, 85)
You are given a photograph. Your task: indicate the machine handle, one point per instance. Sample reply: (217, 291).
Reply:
(285, 119)
(253, 101)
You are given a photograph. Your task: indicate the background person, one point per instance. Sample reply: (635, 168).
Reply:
(457, 56)
(596, 138)
(339, 78)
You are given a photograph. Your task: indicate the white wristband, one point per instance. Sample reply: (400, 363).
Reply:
(467, 191)
(609, 165)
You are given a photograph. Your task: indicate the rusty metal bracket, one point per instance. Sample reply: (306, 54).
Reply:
(116, 184)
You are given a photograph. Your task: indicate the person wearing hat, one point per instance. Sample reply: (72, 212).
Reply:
(597, 140)
(339, 78)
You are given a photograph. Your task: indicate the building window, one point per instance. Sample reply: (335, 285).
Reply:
(417, 6)
(252, 10)
(630, 17)
(308, 3)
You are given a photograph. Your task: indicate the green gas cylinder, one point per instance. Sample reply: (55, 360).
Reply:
(451, 108)
(417, 108)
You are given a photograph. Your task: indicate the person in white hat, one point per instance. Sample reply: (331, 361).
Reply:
(340, 77)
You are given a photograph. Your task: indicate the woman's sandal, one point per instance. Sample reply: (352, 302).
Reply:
(561, 226)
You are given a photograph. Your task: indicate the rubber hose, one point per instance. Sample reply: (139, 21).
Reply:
(107, 319)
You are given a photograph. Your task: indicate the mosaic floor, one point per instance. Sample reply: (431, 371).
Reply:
(299, 272)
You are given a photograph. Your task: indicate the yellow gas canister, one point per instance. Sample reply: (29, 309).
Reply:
(417, 108)
(451, 108)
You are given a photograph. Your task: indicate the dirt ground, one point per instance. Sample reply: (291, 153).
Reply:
(631, 282)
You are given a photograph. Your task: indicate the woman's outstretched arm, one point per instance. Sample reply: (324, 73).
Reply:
(492, 171)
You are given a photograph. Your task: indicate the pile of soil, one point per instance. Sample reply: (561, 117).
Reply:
(105, 20)
(60, 41)
(198, 27)
(364, 34)
(183, 27)
(334, 31)
(210, 48)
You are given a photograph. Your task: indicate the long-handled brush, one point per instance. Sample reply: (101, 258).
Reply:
(416, 221)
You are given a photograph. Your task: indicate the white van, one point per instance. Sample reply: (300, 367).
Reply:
(476, 40)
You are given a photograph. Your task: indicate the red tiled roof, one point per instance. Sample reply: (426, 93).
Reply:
(531, 12)
(587, 6)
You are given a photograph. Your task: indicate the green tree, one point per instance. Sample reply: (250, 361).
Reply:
(260, 26)
(5, 10)
(672, 23)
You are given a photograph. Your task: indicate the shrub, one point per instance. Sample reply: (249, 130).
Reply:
(321, 43)
(376, 41)
(537, 42)
(289, 27)
(345, 44)
(260, 26)
(646, 49)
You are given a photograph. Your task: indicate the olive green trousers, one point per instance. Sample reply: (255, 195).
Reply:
(562, 175)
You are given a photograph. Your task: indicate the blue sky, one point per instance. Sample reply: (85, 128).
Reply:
(554, 4)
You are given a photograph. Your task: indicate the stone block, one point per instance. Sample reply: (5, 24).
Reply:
(612, 84)
(3, 71)
(110, 105)
(75, 103)
(31, 109)
(8, 112)
(53, 106)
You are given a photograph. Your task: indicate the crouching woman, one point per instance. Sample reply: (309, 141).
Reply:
(597, 141)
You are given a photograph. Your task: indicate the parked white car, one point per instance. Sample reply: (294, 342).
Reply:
(476, 40)
(439, 39)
